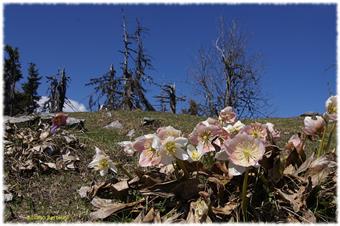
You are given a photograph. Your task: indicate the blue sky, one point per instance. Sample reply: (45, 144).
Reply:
(297, 42)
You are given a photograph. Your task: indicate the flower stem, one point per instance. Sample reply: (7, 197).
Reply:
(124, 171)
(330, 137)
(244, 203)
(322, 142)
(182, 166)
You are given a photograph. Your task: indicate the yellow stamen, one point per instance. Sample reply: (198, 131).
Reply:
(195, 155)
(205, 136)
(103, 164)
(170, 147)
(331, 108)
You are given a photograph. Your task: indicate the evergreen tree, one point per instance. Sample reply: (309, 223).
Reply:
(12, 74)
(30, 89)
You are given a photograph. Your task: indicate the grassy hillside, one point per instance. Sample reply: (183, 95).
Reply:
(55, 193)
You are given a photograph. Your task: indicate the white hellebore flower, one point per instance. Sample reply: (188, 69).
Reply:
(234, 128)
(173, 148)
(102, 163)
(331, 111)
(194, 154)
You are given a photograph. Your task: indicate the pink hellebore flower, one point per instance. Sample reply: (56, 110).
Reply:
(274, 133)
(211, 122)
(203, 136)
(169, 131)
(149, 147)
(207, 132)
(173, 148)
(256, 130)
(313, 126)
(102, 163)
(295, 142)
(242, 151)
(227, 115)
(331, 111)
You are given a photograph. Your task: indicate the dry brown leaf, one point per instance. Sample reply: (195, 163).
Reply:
(227, 209)
(157, 217)
(107, 207)
(51, 165)
(171, 216)
(133, 181)
(168, 169)
(139, 218)
(44, 135)
(198, 212)
(8, 197)
(297, 199)
(305, 165)
(290, 170)
(121, 185)
(308, 216)
(84, 191)
(149, 217)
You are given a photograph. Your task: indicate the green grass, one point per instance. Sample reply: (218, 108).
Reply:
(55, 194)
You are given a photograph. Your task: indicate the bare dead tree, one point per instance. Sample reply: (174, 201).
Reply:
(168, 95)
(106, 87)
(227, 76)
(127, 75)
(142, 62)
(57, 92)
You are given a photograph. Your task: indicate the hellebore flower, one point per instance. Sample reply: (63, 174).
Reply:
(313, 126)
(149, 147)
(242, 151)
(295, 142)
(194, 153)
(274, 133)
(173, 148)
(143, 142)
(58, 120)
(331, 111)
(256, 130)
(169, 131)
(128, 147)
(234, 129)
(205, 133)
(102, 163)
(227, 115)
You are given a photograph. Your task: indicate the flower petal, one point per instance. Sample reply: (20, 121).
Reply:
(235, 170)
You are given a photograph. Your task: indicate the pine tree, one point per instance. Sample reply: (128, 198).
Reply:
(12, 74)
(30, 89)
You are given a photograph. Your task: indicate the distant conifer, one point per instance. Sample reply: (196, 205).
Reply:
(30, 89)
